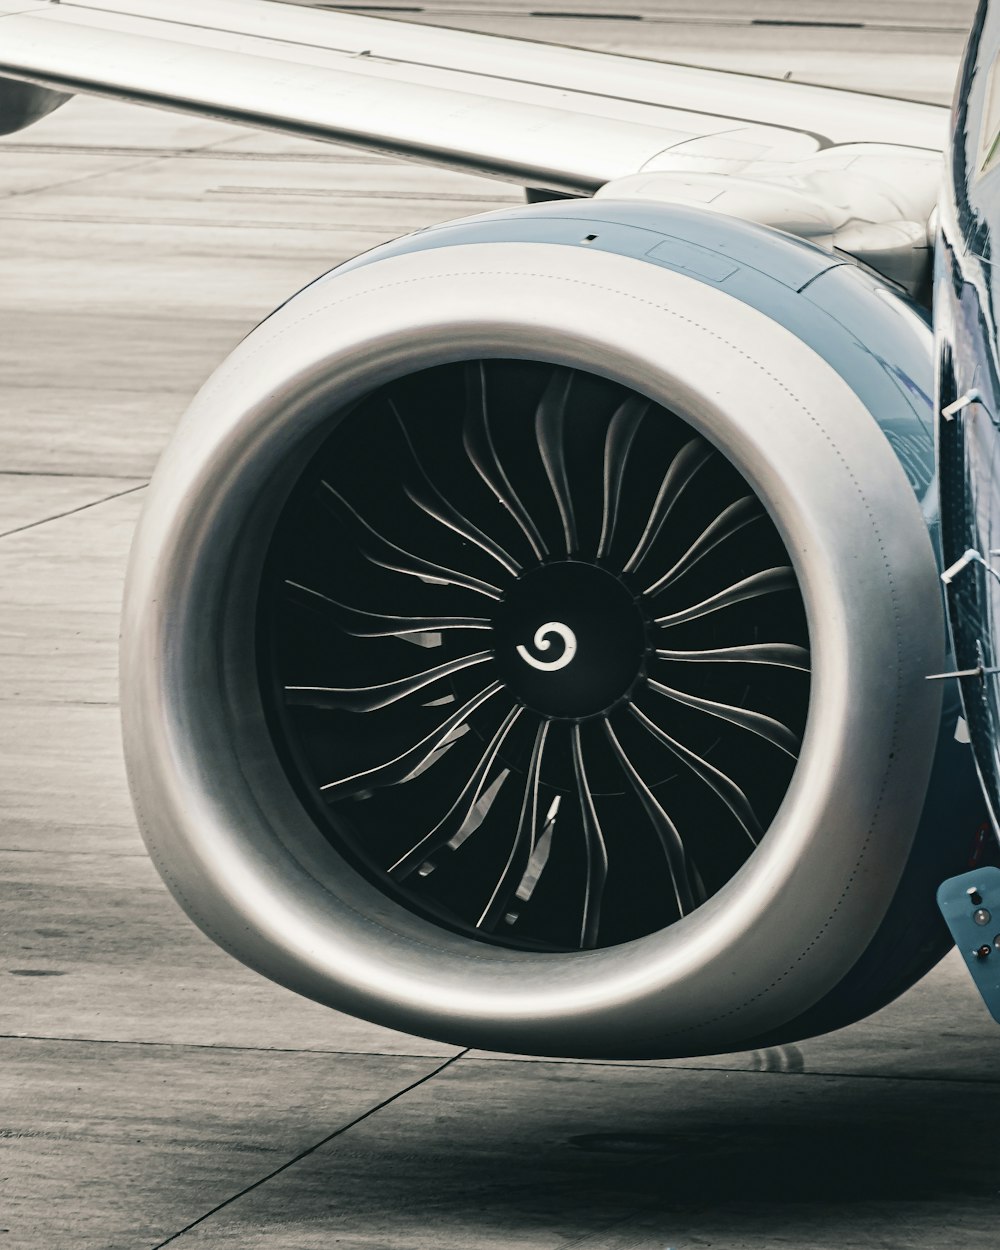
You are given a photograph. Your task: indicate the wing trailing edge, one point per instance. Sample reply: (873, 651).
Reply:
(559, 118)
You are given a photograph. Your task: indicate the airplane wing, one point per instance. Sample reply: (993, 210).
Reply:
(555, 118)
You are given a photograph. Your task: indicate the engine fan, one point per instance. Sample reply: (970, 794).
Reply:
(559, 803)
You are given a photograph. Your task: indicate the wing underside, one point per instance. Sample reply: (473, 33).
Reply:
(559, 118)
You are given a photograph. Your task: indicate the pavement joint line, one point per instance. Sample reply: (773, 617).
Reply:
(206, 153)
(652, 1065)
(150, 157)
(18, 698)
(110, 389)
(598, 1238)
(659, 19)
(469, 1058)
(108, 857)
(274, 227)
(71, 182)
(303, 1154)
(259, 1050)
(105, 477)
(63, 854)
(19, 529)
(332, 194)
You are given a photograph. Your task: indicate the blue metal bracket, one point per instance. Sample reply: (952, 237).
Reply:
(970, 905)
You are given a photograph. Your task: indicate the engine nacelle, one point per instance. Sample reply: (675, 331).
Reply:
(526, 640)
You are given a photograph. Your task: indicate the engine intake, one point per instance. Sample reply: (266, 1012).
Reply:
(491, 511)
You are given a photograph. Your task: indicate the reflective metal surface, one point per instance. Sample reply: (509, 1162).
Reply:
(965, 314)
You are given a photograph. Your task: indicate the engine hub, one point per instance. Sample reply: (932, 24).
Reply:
(570, 639)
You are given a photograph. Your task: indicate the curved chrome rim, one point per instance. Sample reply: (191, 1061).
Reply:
(534, 654)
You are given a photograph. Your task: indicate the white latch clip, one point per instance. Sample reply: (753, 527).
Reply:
(963, 401)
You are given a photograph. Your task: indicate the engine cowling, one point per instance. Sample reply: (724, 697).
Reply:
(526, 638)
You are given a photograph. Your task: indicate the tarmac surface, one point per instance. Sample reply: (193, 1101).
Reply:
(152, 1090)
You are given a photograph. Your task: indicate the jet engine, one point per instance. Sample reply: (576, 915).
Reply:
(527, 634)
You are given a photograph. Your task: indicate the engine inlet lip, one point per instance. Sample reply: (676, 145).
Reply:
(213, 843)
